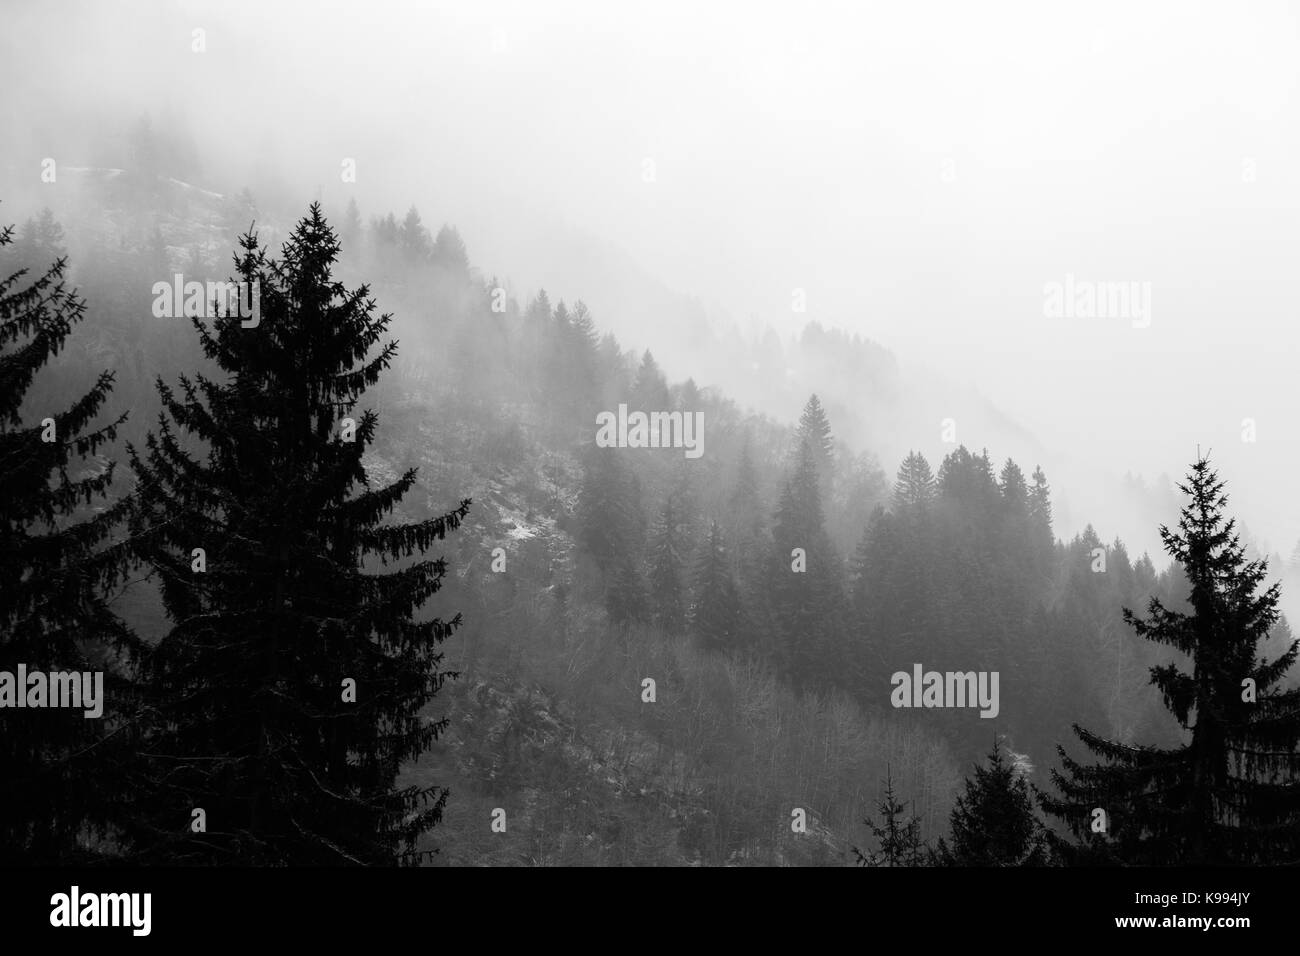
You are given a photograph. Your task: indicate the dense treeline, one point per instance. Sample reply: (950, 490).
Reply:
(770, 588)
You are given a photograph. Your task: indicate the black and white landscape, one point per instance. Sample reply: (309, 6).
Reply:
(675, 434)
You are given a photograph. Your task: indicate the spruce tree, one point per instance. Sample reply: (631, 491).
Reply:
(815, 430)
(289, 690)
(993, 823)
(914, 489)
(1015, 491)
(668, 610)
(414, 238)
(716, 620)
(57, 776)
(898, 834)
(650, 388)
(583, 376)
(1230, 793)
(449, 253)
(806, 589)
(1040, 515)
(611, 528)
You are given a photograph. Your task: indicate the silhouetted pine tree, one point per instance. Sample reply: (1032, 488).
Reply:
(1231, 794)
(716, 614)
(993, 823)
(57, 777)
(898, 834)
(257, 722)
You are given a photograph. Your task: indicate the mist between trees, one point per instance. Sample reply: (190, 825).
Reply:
(561, 651)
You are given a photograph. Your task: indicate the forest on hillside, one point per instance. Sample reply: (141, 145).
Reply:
(371, 578)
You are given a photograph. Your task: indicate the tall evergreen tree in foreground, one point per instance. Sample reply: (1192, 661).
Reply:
(993, 823)
(55, 772)
(289, 690)
(1231, 793)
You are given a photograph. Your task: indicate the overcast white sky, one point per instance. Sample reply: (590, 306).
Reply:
(805, 145)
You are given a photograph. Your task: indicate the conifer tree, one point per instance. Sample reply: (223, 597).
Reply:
(289, 690)
(1040, 514)
(57, 777)
(815, 429)
(716, 614)
(1230, 794)
(914, 489)
(581, 365)
(805, 579)
(1015, 492)
(650, 388)
(449, 253)
(414, 239)
(668, 611)
(611, 528)
(898, 834)
(993, 823)
(608, 509)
